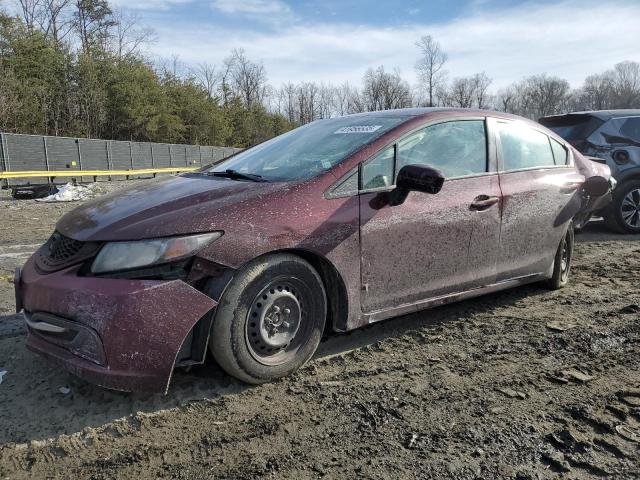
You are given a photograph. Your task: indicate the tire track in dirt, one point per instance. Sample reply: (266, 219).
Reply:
(524, 384)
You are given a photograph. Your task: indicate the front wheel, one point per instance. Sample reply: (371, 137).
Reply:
(270, 319)
(562, 261)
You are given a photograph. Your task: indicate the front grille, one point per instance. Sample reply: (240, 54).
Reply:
(63, 248)
(61, 251)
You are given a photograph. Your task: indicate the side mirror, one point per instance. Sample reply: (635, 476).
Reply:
(418, 178)
(596, 186)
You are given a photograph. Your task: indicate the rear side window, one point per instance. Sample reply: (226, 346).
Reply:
(524, 147)
(455, 148)
(560, 153)
(631, 129)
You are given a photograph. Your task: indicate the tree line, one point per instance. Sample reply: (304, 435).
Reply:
(532, 97)
(77, 68)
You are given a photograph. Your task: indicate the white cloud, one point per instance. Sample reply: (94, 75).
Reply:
(270, 12)
(152, 5)
(564, 39)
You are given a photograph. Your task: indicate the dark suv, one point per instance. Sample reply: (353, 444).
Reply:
(613, 136)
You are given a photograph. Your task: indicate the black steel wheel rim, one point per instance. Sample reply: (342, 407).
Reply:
(276, 326)
(565, 258)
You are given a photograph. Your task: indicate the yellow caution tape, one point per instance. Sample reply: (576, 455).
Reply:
(91, 173)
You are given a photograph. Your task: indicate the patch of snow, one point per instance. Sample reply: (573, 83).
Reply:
(68, 193)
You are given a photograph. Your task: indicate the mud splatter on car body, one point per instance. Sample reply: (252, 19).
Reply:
(376, 260)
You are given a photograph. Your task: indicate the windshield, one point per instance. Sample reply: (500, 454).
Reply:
(308, 150)
(572, 127)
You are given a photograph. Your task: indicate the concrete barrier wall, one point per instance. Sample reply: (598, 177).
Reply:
(38, 152)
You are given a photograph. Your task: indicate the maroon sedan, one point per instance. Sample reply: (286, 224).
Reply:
(337, 224)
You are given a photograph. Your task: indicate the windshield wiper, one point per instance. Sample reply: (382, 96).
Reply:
(236, 175)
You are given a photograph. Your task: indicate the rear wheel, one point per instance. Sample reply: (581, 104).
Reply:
(623, 214)
(562, 261)
(270, 319)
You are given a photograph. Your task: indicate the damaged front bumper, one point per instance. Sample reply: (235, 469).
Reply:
(117, 333)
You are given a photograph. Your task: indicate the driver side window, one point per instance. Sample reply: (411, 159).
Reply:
(455, 148)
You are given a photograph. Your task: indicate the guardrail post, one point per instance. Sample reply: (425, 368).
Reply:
(79, 154)
(4, 162)
(107, 147)
(7, 161)
(46, 157)
(152, 165)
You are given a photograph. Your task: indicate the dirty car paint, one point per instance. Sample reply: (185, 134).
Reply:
(383, 257)
(141, 324)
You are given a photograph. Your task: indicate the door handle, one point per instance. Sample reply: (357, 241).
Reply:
(483, 202)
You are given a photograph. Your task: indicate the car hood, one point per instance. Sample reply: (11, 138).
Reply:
(162, 207)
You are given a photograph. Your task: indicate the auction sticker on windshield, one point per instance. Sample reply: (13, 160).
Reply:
(359, 129)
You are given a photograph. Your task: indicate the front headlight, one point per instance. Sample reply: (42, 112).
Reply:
(116, 256)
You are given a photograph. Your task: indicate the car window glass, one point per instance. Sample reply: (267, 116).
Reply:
(631, 129)
(572, 127)
(378, 172)
(309, 150)
(346, 188)
(524, 147)
(455, 148)
(560, 153)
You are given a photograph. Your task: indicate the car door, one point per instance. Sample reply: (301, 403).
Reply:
(539, 186)
(430, 245)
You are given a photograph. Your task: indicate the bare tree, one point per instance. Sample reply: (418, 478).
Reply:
(462, 93)
(207, 77)
(326, 101)
(481, 83)
(30, 10)
(286, 99)
(347, 100)
(626, 85)
(466, 92)
(536, 96)
(247, 79)
(383, 91)
(225, 79)
(55, 20)
(596, 93)
(128, 36)
(546, 95)
(430, 66)
(93, 19)
(508, 100)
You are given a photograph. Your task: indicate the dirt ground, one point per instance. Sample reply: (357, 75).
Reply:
(523, 384)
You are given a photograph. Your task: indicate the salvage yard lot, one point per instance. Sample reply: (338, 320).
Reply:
(526, 383)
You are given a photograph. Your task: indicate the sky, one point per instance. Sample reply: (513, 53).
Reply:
(337, 40)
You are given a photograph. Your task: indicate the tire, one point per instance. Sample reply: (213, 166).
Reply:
(562, 261)
(626, 201)
(270, 319)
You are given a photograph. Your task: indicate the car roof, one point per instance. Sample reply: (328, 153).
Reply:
(603, 114)
(426, 111)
